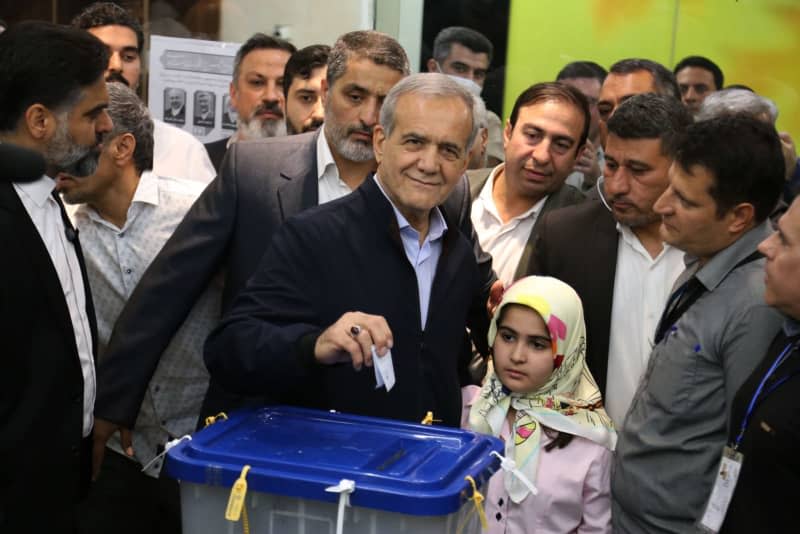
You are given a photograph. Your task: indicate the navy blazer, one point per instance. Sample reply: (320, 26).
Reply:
(343, 256)
(260, 185)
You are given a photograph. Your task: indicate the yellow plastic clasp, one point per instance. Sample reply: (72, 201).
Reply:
(429, 420)
(478, 498)
(238, 493)
(211, 419)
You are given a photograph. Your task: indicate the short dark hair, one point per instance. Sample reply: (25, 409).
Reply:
(703, 63)
(663, 79)
(47, 64)
(303, 63)
(553, 91)
(744, 156)
(651, 116)
(474, 40)
(108, 14)
(259, 41)
(378, 47)
(582, 69)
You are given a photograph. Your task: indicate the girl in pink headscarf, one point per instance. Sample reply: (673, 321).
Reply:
(541, 399)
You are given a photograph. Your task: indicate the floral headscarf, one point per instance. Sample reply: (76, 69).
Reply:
(568, 402)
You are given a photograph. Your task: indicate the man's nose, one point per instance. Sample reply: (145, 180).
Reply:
(115, 62)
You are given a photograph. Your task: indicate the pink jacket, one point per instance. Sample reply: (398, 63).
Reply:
(574, 490)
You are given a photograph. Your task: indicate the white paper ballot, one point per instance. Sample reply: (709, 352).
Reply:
(384, 369)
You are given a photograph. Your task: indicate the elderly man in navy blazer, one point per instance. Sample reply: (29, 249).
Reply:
(261, 184)
(381, 273)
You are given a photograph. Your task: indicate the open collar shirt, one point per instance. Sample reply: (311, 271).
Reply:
(116, 258)
(642, 285)
(505, 241)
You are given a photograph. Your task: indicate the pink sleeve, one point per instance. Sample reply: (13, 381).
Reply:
(597, 496)
(468, 393)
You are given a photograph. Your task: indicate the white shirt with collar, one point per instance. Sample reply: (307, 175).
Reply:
(116, 258)
(46, 216)
(178, 154)
(642, 285)
(330, 185)
(504, 241)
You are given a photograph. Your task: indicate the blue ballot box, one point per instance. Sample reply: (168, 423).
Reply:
(398, 477)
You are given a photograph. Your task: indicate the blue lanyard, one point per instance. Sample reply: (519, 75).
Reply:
(756, 396)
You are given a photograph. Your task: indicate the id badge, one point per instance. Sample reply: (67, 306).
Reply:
(721, 494)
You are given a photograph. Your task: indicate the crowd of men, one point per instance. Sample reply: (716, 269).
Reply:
(340, 223)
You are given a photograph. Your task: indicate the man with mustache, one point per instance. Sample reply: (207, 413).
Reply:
(126, 214)
(261, 184)
(256, 92)
(47, 324)
(302, 87)
(613, 254)
(176, 153)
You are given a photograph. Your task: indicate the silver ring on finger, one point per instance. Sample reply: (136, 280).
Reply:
(355, 330)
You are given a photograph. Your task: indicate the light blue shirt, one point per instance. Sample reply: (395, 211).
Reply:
(423, 258)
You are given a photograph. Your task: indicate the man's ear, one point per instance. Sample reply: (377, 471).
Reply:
(378, 139)
(40, 122)
(323, 88)
(234, 94)
(741, 218)
(122, 148)
(432, 65)
(507, 133)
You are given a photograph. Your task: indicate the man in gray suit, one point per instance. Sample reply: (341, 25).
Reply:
(261, 184)
(544, 135)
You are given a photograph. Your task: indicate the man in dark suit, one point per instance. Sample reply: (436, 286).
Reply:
(610, 251)
(261, 184)
(391, 255)
(547, 129)
(47, 320)
(256, 93)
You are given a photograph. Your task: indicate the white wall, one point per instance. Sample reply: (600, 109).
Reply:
(306, 21)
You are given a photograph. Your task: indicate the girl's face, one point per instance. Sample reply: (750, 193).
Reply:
(523, 352)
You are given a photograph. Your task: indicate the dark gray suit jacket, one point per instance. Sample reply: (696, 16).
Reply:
(578, 245)
(261, 184)
(565, 196)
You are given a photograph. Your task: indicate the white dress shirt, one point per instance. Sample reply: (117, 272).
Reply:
(46, 216)
(330, 185)
(116, 258)
(504, 241)
(178, 154)
(642, 286)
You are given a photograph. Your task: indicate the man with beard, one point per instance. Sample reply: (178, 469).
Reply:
(176, 153)
(261, 184)
(256, 92)
(126, 215)
(302, 87)
(47, 323)
(613, 254)
(175, 105)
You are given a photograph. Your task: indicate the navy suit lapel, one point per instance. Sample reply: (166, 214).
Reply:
(301, 189)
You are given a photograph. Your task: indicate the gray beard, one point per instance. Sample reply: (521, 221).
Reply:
(348, 149)
(258, 129)
(67, 156)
